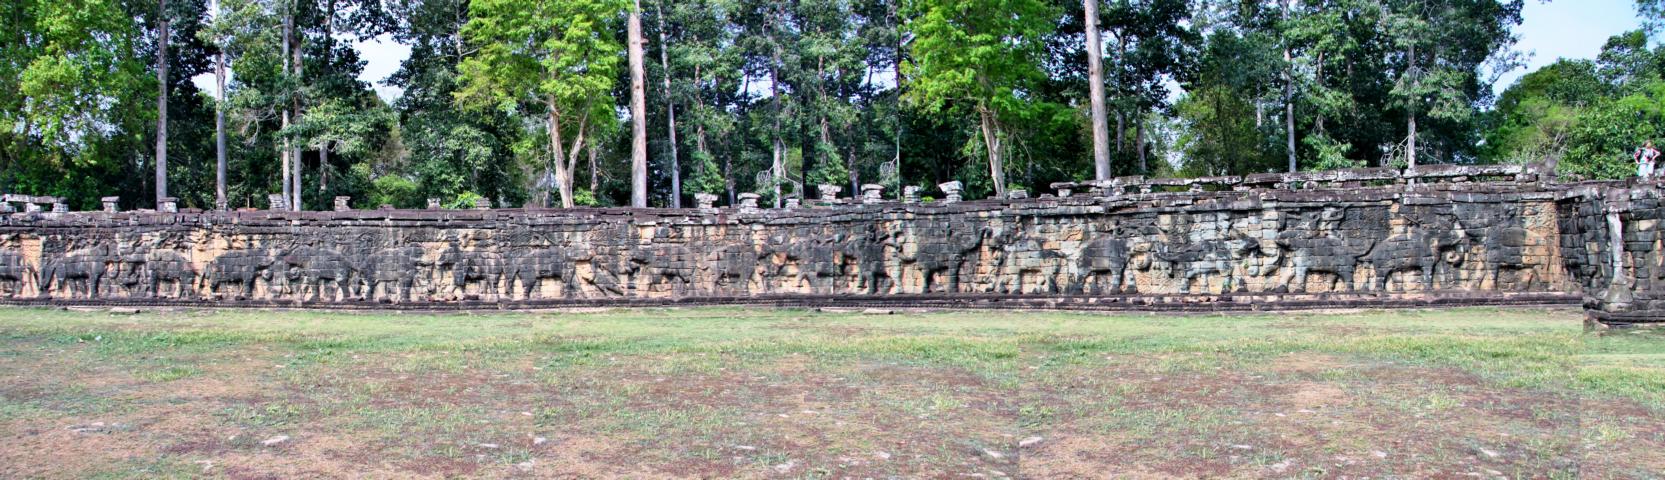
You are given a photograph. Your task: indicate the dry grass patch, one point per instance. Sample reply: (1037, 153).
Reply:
(722, 393)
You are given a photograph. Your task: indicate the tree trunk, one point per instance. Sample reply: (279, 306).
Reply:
(563, 184)
(288, 33)
(1121, 117)
(594, 177)
(1289, 95)
(163, 31)
(699, 146)
(991, 141)
(220, 200)
(896, 22)
(777, 170)
(670, 112)
(1121, 131)
(324, 167)
(324, 148)
(728, 160)
(1139, 143)
(858, 149)
(1410, 143)
(1318, 79)
(565, 158)
(1410, 112)
(295, 53)
(1289, 114)
(638, 112)
(1095, 82)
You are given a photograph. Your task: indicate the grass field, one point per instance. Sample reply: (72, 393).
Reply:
(724, 393)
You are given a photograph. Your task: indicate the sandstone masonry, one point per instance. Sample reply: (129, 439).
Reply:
(1359, 237)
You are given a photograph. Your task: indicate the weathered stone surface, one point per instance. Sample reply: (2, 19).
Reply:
(1436, 238)
(704, 200)
(1279, 239)
(1611, 245)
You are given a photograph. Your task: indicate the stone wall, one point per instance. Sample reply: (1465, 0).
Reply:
(1611, 239)
(1340, 240)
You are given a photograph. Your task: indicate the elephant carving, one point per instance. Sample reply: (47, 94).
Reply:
(239, 267)
(80, 271)
(15, 273)
(1205, 260)
(467, 267)
(1417, 251)
(531, 267)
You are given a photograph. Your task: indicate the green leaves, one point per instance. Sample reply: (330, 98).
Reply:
(560, 52)
(1603, 139)
(79, 69)
(963, 54)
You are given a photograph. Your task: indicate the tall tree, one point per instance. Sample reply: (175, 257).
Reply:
(296, 94)
(1153, 45)
(670, 111)
(764, 38)
(220, 200)
(1441, 46)
(1095, 87)
(1288, 86)
(68, 73)
(289, 162)
(1321, 35)
(705, 62)
(163, 30)
(964, 56)
(556, 55)
(638, 110)
(453, 154)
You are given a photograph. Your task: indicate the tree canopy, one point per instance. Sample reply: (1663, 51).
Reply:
(524, 102)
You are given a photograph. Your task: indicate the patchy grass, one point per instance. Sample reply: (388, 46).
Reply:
(733, 393)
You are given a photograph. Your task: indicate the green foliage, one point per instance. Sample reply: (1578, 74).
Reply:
(561, 55)
(583, 198)
(464, 200)
(829, 168)
(1602, 141)
(964, 57)
(395, 190)
(450, 152)
(77, 73)
(706, 178)
(1220, 137)
(898, 92)
(1329, 154)
(1588, 117)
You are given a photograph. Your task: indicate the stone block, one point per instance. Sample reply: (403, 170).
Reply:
(705, 201)
(951, 191)
(276, 202)
(829, 193)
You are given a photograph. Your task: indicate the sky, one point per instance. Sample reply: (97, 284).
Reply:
(1568, 29)
(1548, 31)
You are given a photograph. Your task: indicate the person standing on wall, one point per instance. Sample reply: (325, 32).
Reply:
(1646, 158)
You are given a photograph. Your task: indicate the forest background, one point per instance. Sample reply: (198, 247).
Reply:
(531, 102)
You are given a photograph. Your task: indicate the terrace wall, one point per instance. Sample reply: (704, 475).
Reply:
(1611, 239)
(1345, 240)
